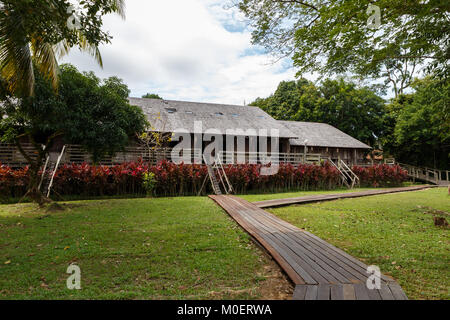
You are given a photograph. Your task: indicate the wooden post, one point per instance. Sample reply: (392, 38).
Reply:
(304, 153)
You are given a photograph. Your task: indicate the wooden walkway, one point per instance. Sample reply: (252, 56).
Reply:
(319, 270)
(334, 196)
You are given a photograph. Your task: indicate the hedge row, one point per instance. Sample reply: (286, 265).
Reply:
(173, 180)
(380, 175)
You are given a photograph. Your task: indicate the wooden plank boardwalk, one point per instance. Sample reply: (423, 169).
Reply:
(334, 196)
(319, 270)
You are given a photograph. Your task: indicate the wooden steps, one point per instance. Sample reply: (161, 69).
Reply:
(215, 169)
(348, 177)
(48, 172)
(213, 179)
(318, 269)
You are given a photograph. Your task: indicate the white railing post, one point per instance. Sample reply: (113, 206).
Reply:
(54, 170)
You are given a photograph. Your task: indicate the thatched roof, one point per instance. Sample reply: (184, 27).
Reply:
(169, 115)
(321, 135)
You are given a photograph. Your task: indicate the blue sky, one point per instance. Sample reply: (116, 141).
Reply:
(194, 50)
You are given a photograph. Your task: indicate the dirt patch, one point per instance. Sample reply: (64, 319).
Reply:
(439, 217)
(429, 210)
(274, 283)
(61, 206)
(55, 207)
(440, 222)
(276, 286)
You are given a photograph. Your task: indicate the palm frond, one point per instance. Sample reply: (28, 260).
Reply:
(90, 48)
(17, 52)
(44, 57)
(15, 55)
(61, 49)
(119, 7)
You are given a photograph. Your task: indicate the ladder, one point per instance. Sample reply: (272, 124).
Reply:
(48, 173)
(213, 179)
(349, 178)
(216, 170)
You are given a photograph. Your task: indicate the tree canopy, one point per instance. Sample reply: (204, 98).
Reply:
(339, 36)
(37, 31)
(419, 125)
(86, 111)
(357, 111)
(151, 96)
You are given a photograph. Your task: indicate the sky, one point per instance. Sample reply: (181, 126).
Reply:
(192, 50)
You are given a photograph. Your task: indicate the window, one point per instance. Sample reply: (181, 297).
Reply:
(171, 110)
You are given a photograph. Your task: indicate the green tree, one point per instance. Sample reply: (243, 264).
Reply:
(151, 96)
(358, 112)
(334, 36)
(35, 32)
(420, 125)
(86, 111)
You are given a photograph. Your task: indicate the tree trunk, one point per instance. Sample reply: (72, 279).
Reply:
(33, 191)
(33, 187)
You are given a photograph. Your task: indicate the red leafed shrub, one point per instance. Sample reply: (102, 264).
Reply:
(178, 179)
(247, 177)
(84, 179)
(381, 175)
(186, 179)
(13, 183)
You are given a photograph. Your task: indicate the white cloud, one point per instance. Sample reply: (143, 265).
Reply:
(184, 49)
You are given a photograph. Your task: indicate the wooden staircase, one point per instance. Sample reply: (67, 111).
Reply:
(213, 179)
(348, 177)
(215, 170)
(48, 173)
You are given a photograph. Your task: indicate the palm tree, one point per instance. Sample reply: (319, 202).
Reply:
(19, 50)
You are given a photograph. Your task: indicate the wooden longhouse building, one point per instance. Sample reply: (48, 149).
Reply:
(234, 124)
(326, 140)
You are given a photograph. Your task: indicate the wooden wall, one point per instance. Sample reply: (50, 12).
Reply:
(349, 155)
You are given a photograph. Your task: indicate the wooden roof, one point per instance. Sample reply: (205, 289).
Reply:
(169, 115)
(321, 135)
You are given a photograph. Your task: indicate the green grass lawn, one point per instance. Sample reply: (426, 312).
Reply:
(163, 248)
(188, 248)
(394, 231)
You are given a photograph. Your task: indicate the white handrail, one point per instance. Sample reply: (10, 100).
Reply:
(54, 170)
(349, 170)
(43, 172)
(230, 187)
(428, 174)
